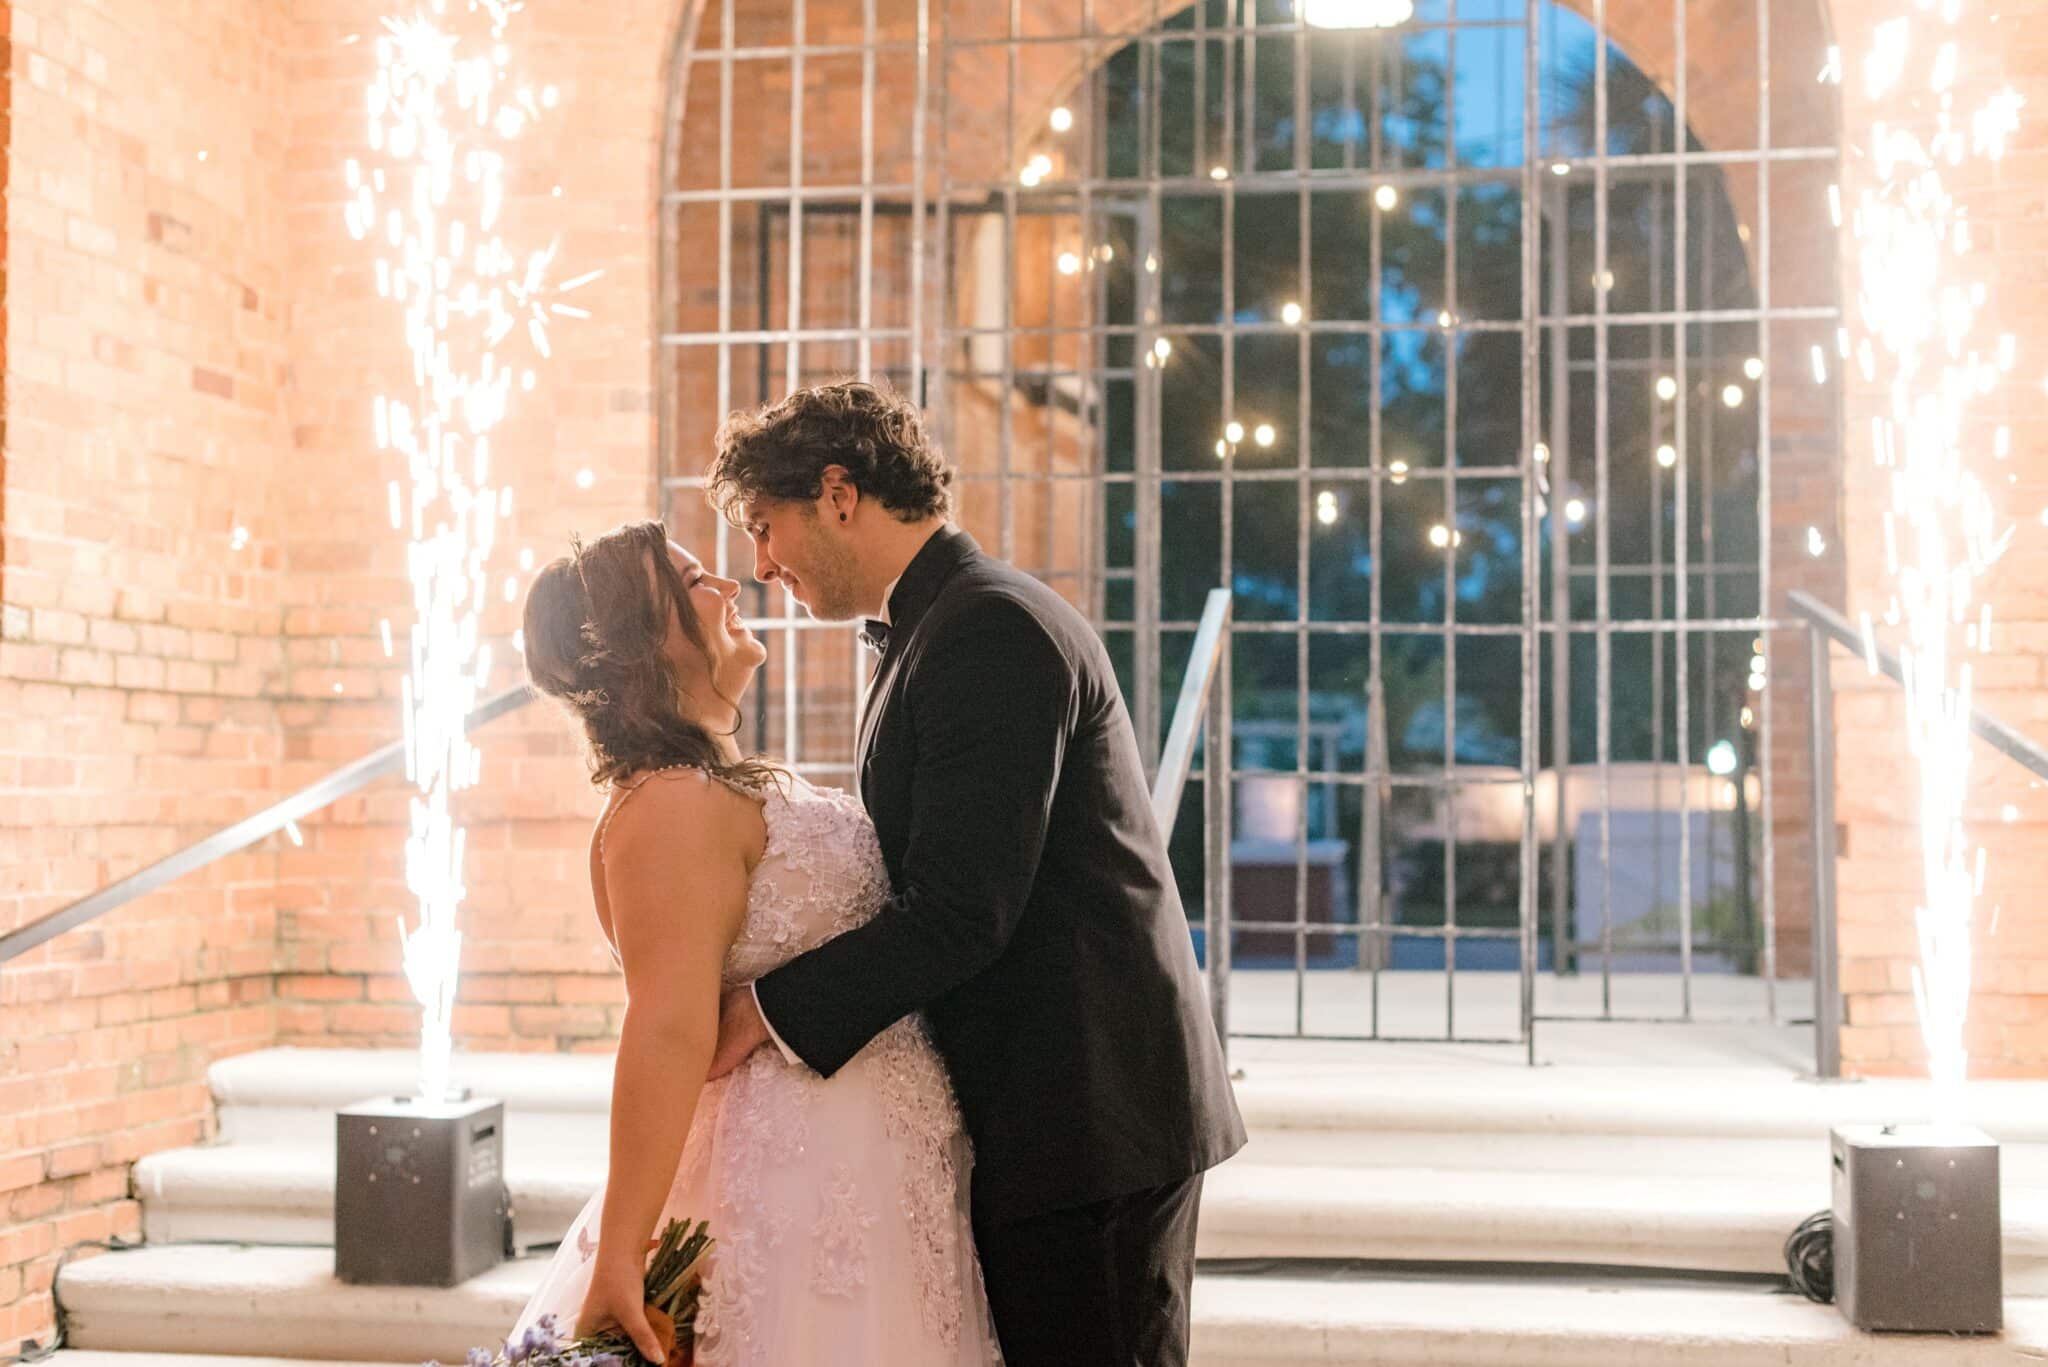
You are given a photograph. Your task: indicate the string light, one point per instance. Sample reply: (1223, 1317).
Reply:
(1385, 198)
(1062, 119)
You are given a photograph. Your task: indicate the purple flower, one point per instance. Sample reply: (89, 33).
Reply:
(479, 1357)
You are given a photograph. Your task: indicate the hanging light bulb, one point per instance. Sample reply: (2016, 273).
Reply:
(1340, 14)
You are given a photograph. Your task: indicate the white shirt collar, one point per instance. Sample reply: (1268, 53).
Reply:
(887, 594)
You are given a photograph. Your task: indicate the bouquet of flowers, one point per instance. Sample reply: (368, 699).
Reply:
(675, 1275)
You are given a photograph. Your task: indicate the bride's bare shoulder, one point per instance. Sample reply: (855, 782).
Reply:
(684, 808)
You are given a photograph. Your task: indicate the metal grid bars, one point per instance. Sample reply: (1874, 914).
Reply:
(1448, 347)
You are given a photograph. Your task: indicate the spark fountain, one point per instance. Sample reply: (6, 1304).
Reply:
(419, 1194)
(1916, 1208)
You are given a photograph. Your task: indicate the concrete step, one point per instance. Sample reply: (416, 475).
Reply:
(130, 1309)
(1298, 1091)
(91, 1357)
(284, 1194)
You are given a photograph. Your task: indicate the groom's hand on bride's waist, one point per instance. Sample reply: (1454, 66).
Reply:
(741, 1030)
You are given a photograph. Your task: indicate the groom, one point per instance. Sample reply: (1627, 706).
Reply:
(1034, 923)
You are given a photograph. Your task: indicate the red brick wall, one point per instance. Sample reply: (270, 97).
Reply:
(145, 364)
(1880, 875)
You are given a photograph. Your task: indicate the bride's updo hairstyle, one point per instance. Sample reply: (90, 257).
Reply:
(594, 625)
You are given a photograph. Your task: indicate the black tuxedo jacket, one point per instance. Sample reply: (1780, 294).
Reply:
(1035, 921)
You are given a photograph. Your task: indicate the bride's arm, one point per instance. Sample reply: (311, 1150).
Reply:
(700, 838)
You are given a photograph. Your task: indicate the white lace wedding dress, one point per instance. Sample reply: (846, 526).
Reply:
(839, 1205)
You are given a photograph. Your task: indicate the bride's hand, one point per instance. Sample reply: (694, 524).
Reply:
(740, 1031)
(617, 1295)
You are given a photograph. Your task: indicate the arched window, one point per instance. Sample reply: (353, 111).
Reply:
(1476, 359)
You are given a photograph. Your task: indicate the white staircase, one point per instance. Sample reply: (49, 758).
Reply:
(1436, 1167)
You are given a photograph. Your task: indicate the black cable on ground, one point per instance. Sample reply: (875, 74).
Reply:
(31, 1351)
(1810, 1257)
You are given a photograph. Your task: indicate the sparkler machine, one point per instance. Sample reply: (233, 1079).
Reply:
(1916, 1229)
(419, 1191)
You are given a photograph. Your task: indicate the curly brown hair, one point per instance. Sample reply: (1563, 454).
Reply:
(594, 625)
(780, 452)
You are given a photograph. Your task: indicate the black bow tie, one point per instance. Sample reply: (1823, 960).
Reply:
(875, 635)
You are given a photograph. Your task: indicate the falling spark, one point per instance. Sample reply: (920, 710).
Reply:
(1816, 544)
(1820, 365)
(439, 114)
(1917, 312)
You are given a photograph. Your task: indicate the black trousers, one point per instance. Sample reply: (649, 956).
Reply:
(1102, 1285)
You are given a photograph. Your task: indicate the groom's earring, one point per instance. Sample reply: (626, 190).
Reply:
(842, 517)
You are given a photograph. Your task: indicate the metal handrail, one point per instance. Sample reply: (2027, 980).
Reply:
(1826, 626)
(2019, 748)
(337, 785)
(1188, 721)
(1188, 713)
(1199, 713)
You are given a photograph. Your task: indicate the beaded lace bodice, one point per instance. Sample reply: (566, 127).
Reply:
(821, 874)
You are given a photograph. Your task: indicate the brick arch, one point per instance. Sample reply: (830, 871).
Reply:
(1723, 86)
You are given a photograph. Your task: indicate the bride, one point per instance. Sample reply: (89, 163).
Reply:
(839, 1207)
